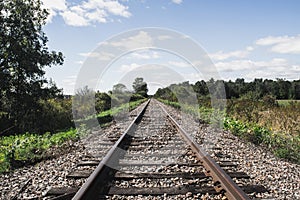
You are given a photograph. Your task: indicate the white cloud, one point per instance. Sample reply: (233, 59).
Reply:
(220, 55)
(74, 19)
(99, 55)
(282, 44)
(70, 80)
(276, 64)
(128, 68)
(249, 48)
(54, 6)
(177, 1)
(179, 64)
(87, 12)
(270, 40)
(141, 40)
(145, 55)
(193, 77)
(275, 68)
(164, 37)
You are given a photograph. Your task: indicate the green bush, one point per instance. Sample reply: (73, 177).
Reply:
(27, 148)
(282, 145)
(103, 102)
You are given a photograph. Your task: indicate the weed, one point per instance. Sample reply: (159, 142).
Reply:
(276, 127)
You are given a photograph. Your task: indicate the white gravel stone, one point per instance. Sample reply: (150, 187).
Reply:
(282, 178)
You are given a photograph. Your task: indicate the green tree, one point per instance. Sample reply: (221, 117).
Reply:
(166, 94)
(284, 88)
(119, 88)
(296, 89)
(23, 56)
(84, 102)
(103, 102)
(140, 87)
(200, 88)
(231, 90)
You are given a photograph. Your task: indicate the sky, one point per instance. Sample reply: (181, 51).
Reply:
(242, 39)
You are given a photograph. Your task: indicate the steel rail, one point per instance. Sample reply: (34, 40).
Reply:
(103, 171)
(221, 180)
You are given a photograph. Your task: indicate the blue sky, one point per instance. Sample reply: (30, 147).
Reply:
(248, 39)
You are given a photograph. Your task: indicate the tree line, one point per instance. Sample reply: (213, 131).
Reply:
(256, 89)
(106, 100)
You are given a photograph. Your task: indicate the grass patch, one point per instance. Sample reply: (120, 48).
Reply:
(108, 115)
(286, 102)
(123, 107)
(281, 144)
(19, 150)
(284, 143)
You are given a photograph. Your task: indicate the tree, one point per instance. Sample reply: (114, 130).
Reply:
(200, 88)
(140, 87)
(296, 89)
(103, 102)
(23, 56)
(284, 89)
(119, 88)
(231, 90)
(84, 102)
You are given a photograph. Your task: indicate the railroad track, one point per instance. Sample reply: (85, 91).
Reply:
(155, 157)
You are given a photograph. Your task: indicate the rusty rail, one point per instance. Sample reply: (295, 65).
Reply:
(97, 180)
(104, 171)
(221, 179)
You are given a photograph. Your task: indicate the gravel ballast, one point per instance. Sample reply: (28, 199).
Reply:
(282, 178)
(33, 182)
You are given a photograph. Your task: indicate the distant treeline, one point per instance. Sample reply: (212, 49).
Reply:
(256, 89)
(51, 111)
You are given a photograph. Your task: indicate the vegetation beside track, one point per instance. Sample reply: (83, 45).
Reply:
(276, 127)
(34, 112)
(108, 115)
(23, 149)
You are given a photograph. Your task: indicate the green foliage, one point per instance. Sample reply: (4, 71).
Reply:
(269, 101)
(27, 148)
(119, 88)
(166, 94)
(53, 115)
(140, 87)
(83, 102)
(170, 103)
(282, 144)
(23, 56)
(136, 97)
(19, 150)
(287, 102)
(255, 90)
(103, 102)
(245, 109)
(124, 107)
(108, 115)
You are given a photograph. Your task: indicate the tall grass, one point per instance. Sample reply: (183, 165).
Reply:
(277, 127)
